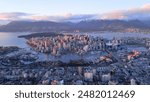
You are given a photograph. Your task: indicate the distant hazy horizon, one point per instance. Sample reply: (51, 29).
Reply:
(77, 10)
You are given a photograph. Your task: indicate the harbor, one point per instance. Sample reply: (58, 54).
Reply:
(77, 60)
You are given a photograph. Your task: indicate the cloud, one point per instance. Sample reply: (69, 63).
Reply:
(114, 15)
(146, 7)
(134, 13)
(18, 16)
(83, 17)
(13, 16)
(50, 17)
(141, 13)
(64, 17)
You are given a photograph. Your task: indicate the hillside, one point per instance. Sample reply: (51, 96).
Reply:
(92, 25)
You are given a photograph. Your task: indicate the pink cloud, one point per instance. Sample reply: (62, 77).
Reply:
(63, 17)
(50, 17)
(146, 7)
(114, 15)
(142, 12)
(133, 13)
(12, 16)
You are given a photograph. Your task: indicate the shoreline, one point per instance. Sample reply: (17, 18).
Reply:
(43, 34)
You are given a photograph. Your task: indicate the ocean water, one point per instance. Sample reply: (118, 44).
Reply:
(11, 39)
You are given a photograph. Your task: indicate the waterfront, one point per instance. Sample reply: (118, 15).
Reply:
(56, 61)
(11, 38)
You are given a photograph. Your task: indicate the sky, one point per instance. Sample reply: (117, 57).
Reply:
(73, 10)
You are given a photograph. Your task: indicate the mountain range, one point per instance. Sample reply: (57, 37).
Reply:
(83, 26)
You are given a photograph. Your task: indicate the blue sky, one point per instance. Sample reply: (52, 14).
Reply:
(50, 7)
(73, 10)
